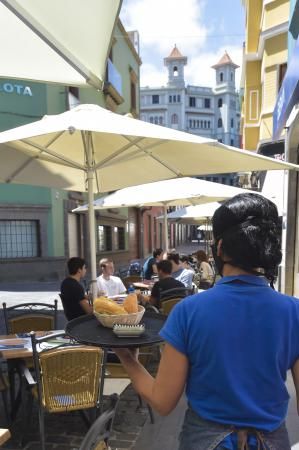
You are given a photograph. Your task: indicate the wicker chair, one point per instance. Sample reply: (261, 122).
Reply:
(67, 378)
(26, 317)
(167, 305)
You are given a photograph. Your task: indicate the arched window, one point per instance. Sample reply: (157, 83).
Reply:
(156, 120)
(219, 122)
(175, 71)
(219, 102)
(160, 120)
(232, 123)
(221, 76)
(174, 119)
(151, 119)
(231, 76)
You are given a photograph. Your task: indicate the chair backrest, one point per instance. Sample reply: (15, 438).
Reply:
(175, 292)
(98, 435)
(167, 305)
(131, 279)
(26, 317)
(68, 377)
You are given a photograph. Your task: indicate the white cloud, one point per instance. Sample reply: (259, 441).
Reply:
(163, 23)
(199, 70)
(153, 76)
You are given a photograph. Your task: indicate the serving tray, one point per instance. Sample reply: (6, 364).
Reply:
(87, 330)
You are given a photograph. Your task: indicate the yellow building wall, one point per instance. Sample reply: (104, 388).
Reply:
(261, 76)
(276, 13)
(254, 13)
(252, 95)
(276, 50)
(250, 138)
(266, 127)
(269, 89)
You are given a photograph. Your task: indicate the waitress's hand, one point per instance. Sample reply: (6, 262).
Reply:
(126, 354)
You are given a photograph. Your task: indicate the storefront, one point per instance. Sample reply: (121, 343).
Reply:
(286, 116)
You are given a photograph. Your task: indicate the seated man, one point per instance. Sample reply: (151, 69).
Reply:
(107, 283)
(165, 282)
(74, 301)
(181, 274)
(150, 265)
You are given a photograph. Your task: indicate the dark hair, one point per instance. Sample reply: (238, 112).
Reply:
(175, 257)
(157, 252)
(201, 256)
(74, 264)
(250, 229)
(165, 266)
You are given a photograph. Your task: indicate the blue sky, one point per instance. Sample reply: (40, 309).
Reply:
(201, 29)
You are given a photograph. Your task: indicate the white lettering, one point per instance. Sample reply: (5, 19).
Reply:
(280, 103)
(27, 91)
(19, 89)
(8, 87)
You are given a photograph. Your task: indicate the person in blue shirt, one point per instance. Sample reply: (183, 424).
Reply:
(230, 347)
(179, 272)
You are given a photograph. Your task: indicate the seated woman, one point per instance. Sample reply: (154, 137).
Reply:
(206, 272)
(230, 347)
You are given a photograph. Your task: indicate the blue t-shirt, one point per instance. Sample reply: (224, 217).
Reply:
(240, 338)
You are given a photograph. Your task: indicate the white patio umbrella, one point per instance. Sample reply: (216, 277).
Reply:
(90, 148)
(56, 41)
(174, 192)
(194, 214)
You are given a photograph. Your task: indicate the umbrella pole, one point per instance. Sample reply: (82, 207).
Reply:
(91, 218)
(165, 230)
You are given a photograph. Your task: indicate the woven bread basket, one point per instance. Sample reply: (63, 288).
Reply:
(108, 320)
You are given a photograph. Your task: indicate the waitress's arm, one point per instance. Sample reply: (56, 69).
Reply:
(164, 391)
(295, 373)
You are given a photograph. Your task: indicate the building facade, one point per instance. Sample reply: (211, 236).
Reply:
(38, 231)
(264, 66)
(286, 122)
(209, 112)
(265, 63)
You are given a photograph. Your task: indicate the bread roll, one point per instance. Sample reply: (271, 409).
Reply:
(131, 304)
(104, 305)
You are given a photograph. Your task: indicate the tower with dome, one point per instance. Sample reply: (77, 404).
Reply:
(205, 111)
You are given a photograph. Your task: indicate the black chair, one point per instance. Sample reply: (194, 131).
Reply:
(98, 435)
(176, 292)
(67, 378)
(26, 317)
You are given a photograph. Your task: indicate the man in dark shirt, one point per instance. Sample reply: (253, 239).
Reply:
(74, 301)
(150, 265)
(165, 282)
